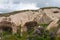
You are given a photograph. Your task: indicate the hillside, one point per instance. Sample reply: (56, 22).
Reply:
(41, 24)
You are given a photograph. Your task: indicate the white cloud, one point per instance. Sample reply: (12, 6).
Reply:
(47, 4)
(23, 6)
(11, 5)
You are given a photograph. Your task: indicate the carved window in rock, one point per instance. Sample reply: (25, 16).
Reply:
(56, 12)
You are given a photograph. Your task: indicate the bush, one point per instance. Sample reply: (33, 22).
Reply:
(41, 34)
(32, 34)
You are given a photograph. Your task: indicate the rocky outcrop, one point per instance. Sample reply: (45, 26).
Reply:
(43, 15)
(43, 19)
(53, 25)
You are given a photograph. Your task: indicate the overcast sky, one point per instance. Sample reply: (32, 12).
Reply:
(12, 5)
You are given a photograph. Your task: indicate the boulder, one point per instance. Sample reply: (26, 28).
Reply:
(53, 25)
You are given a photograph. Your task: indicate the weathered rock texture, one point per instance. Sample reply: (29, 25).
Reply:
(44, 15)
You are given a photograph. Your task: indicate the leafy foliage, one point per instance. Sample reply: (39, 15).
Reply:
(33, 34)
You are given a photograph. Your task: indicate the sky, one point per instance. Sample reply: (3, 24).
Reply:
(15, 5)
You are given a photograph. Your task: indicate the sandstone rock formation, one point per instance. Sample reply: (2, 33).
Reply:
(53, 25)
(43, 15)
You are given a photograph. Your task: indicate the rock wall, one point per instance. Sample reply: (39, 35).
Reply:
(46, 15)
(41, 16)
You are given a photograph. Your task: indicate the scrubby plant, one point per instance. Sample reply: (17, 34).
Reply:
(41, 34)
(38, 33)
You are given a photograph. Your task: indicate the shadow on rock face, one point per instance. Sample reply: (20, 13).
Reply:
(7, 26)
(6, 29)
(30, 25)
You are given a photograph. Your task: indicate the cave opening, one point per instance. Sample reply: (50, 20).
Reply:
(56, 12)
(6, 29)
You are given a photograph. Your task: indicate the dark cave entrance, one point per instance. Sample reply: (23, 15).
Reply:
(6, 29)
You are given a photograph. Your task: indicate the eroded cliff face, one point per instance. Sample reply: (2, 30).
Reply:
(41, 16)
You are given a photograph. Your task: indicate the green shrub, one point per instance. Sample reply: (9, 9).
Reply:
(33, 34)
